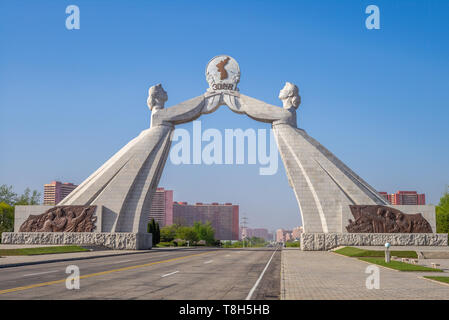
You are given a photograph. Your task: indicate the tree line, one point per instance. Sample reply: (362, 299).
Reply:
(8, 200)
(170, 235)
(442, 213)
(178, 235)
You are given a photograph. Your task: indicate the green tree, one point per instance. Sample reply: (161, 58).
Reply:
(157, 233)
(168, 233)
(442, 213)
(6, 218)
(28, 198)
(153, 228)
(188, 234)
(7, 195)
(205, 232)
(257, 242)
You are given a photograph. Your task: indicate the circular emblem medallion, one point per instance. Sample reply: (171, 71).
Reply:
(223, 73)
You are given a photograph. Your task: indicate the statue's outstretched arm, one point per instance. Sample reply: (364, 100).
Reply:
(182, 112)
(262, 111)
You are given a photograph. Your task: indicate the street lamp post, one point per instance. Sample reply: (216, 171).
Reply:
(387, 252)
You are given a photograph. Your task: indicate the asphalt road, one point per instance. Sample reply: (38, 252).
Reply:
(197, 273)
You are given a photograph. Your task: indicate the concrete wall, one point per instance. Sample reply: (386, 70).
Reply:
(116, 241)
(427, 211)
(21, 213)
(327, 241)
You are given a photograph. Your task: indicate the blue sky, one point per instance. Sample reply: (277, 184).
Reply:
(378, 99)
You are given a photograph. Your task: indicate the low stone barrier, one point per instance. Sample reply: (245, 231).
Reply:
(327, 241)
(117, 241)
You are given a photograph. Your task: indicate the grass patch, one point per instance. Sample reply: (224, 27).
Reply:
(41, 250)
(356, 252)
(401, 266)
(164, 244)
(295, 244)
(441, 279)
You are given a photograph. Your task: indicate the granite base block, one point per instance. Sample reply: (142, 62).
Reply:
(116, 241)
(328, 241)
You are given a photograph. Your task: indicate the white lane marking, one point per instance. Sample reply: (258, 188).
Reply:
(122, 261)
(38, 273)
(227, 255)
(248, 297)
(169, 274)
(210, 261)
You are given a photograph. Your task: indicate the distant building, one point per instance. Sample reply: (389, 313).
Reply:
(386, 196)
(55, 191)
(224, 218)
(283, 235)
(405, 198)
(288, 235)
(296, 232)
(255, 232)
(279, 235)
(162, 207)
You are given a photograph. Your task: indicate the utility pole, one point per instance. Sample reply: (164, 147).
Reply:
(244, 223)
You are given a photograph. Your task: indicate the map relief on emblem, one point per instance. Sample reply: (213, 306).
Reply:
(221, 68)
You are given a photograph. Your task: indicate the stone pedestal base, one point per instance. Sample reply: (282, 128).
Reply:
(117, 241)
(327, 241)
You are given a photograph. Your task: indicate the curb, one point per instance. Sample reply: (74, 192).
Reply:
(19, 264)
(436, 281)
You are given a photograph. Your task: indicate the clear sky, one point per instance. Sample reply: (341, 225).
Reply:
(378, 99)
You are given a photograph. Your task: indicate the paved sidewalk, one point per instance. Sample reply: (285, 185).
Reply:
(310, 275)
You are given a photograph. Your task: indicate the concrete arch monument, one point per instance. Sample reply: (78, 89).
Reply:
(325, 188)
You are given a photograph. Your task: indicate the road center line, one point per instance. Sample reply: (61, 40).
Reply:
(248, 297)
(169, 274)
(38, 273)
(100, 273)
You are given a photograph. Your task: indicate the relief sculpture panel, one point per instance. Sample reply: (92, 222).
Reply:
(62, 219)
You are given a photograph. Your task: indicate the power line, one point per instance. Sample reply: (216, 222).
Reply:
(244, 223)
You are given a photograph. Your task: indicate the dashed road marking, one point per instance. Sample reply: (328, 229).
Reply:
(39, 273)
(169, 274)
(123, 261)
(37, 285)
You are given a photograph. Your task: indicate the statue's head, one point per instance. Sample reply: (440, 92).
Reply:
(58, 213)
(380, 211)
(290, 95)
(156, 97)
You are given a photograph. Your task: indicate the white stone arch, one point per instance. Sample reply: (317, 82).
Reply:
(124, 186)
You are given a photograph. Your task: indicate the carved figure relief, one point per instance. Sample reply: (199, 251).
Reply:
(62, 219)
(383, 219)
